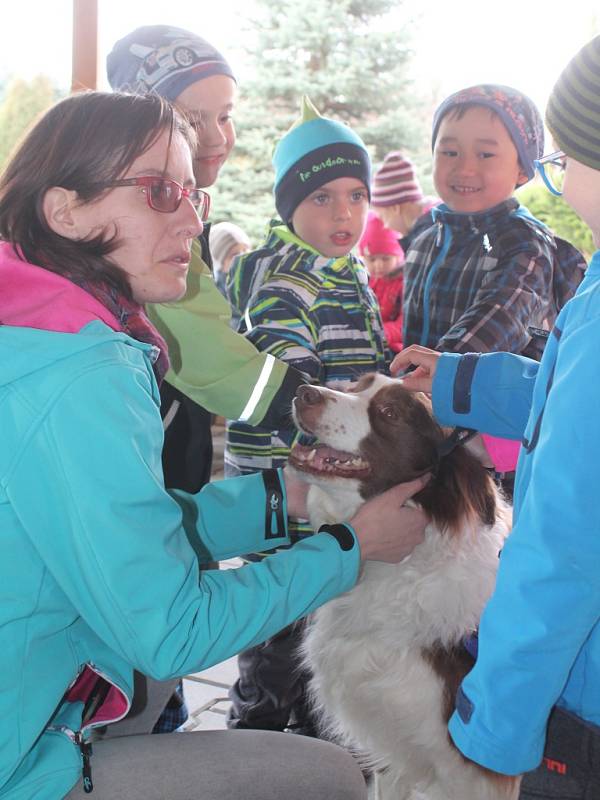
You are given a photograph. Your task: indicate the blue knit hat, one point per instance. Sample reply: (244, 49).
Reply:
(162, 59)
(519, 114)
(314, 151)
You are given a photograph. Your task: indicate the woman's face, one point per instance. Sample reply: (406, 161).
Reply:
(209, 107)
(154, 247)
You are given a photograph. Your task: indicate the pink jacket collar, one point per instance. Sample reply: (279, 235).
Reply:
(34, 297)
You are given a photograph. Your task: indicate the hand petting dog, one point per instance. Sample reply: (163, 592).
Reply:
(404, 527)
(425, 362)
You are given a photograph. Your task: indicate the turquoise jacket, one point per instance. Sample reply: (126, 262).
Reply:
(540, 634)
(99, 570)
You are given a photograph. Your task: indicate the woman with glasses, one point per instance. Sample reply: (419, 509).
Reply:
(99, 570)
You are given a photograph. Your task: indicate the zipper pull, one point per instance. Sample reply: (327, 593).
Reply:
(86, 755)
(440, 234)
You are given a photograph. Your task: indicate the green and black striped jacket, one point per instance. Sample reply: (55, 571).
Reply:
(313, 312)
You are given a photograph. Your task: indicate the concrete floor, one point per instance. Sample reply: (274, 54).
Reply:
(206, 692)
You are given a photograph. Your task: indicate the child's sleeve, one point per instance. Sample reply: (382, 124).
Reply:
(393, 334)
(514, 295)
(216, 367)
(283, 324)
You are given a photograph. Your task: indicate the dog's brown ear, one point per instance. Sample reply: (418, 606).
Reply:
(476, 447)
(460, 490)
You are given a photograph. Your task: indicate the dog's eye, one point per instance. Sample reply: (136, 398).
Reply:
(389, 412)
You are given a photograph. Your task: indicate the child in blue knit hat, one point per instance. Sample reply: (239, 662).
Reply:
(486, 275)
(305, 298)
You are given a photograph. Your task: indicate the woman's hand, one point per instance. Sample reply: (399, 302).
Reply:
(425, 361)
(386, 529)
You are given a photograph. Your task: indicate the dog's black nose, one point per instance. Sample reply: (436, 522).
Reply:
(309, 395)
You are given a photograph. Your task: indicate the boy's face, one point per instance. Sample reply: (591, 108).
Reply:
(581, 190)
(400, 217)
(381, 264)
(209, 106)
(333, 217)
(475, 163)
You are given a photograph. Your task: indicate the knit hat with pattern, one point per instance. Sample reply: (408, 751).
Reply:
(378, 240)
(313, 152)
(519, 114)
(395, 182)
(573, 112)
(162, 59)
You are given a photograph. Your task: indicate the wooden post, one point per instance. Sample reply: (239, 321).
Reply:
(85, 45)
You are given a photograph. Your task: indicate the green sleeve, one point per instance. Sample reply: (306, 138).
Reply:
(210, 363)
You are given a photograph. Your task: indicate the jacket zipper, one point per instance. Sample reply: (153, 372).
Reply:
(443, 239)
(85, 748)
(86, 758)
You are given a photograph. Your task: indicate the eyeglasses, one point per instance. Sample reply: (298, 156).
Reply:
(165, 195)
(551, 169)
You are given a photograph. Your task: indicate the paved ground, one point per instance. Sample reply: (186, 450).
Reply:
(206, 696)
(206, 692)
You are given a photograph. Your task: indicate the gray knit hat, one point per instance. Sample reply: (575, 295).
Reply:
(573, 112)
(162, 59)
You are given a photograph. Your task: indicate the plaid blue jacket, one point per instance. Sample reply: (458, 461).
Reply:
(485, 282)
(314, 312)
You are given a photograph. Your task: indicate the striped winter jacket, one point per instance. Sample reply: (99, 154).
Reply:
(488, 281)
(317, 314)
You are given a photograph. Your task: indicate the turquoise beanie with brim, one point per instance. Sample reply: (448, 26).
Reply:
(313, 152)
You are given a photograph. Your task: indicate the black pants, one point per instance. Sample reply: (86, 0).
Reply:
(570, 769)
(187, 450)
(270, 693)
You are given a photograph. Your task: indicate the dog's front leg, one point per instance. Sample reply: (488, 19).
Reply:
(387, 785)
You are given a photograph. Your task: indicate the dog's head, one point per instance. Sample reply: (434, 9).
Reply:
(378, 435)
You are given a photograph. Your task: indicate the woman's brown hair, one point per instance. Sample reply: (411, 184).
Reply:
(83, 143)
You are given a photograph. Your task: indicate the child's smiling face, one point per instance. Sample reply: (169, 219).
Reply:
(332, 218)
(475, 162)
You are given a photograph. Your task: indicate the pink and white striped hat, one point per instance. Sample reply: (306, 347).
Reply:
(395, 182)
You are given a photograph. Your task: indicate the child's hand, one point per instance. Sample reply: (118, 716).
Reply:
(425, 361)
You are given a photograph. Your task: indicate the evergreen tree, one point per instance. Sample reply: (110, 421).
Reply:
(342, 56)
(22, 104)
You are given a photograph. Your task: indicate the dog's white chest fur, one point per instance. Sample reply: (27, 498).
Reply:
(369, 653)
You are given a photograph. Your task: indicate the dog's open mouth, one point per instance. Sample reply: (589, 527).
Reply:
(323, 460)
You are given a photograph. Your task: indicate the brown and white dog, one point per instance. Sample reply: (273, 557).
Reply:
(388, 656)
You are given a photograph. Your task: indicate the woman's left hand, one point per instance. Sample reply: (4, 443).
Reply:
(296, 490)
